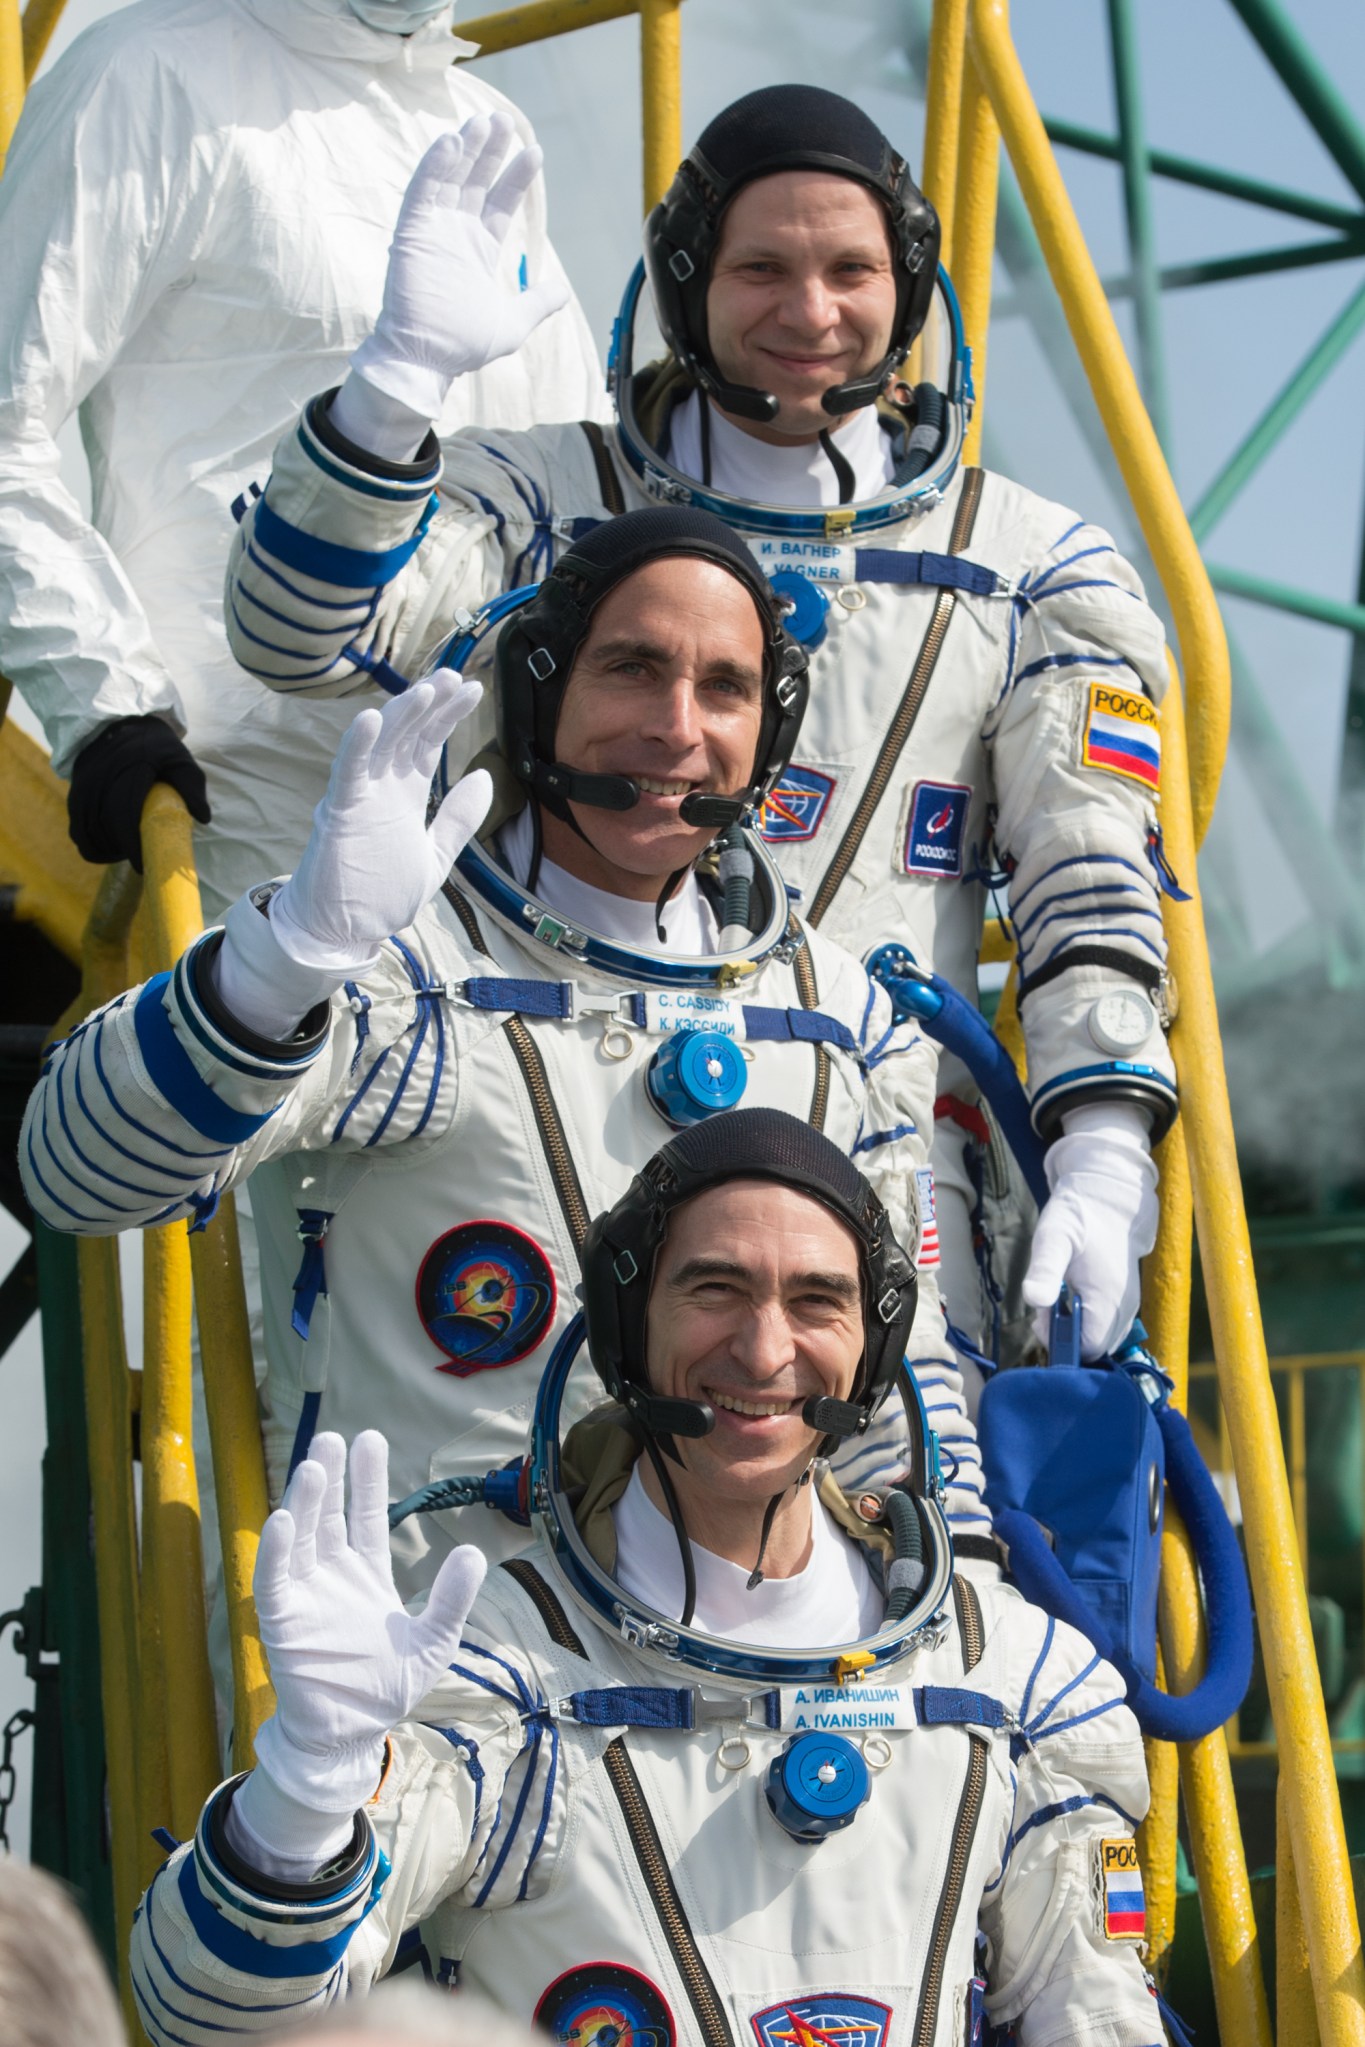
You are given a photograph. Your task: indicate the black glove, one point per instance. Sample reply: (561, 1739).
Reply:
(110, 782)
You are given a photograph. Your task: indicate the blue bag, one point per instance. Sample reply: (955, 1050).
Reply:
(1074, 1458)
(1080, 1453)
(1075, 1461)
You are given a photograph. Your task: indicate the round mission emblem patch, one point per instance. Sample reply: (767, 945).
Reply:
(603, 2004)
(485, 1296)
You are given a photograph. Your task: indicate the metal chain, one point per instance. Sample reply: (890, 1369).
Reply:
(14, 1727)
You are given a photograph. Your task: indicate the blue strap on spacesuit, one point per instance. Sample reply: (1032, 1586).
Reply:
(311, 1278)
(936, 571)
(556, 999)
(950, 1706)
(634, 1706)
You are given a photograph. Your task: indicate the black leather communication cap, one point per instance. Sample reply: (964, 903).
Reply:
(783, 128)
(537, 645)
(767, 1144)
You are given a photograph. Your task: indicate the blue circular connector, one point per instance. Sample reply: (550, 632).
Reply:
(809, 614)
(817, 1785)
(695, 1074)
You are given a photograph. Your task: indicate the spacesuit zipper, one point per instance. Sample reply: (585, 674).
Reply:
(696, 1977)
(950, 1898)
(969, 1623)
(972, 1635)
(469, 923)
(553, 1141)
(810, 999)
(907, 711)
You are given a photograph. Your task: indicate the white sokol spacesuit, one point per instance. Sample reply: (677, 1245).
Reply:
(985, 671)
(446, 1126)
(196, 215)
(631, 1825)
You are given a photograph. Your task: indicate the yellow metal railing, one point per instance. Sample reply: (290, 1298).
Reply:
(973, 54)
(157, 1698)
(660, 63)
(1295, 1372)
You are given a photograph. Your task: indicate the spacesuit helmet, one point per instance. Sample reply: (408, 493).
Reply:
(622, 1245)
(783, 128)
(537, 645)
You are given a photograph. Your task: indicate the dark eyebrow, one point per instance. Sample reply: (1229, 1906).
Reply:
(837, 1283)
(624, 649)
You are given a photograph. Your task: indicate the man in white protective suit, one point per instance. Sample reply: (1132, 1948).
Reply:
(985, 668)
(728, 1755)
(449, 1106)
(196, 214)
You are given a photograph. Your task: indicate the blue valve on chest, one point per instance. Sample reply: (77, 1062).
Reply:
(806, 606)
(817, 1785)
(695, 1074)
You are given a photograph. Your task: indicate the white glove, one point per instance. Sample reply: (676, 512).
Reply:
(347, 1660)
(446, 311)
(370, 864)
(1100, 1221)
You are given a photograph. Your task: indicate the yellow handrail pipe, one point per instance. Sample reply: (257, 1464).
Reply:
(660, 63)
(1204, 1767)
(108, 1405)
(1203, 645)
(172, 1547)
(660, 94)
(220, 1305)
(40, 18)
(1312, 1801)
(942, 114)
(11, 73)
(974, 210)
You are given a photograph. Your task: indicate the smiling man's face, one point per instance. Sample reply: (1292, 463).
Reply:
(666, 688)
(802, 294)
(756, 1305)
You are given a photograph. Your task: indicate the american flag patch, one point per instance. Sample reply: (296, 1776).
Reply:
(1123, 1906)
(1121, 735)
(928, 1219)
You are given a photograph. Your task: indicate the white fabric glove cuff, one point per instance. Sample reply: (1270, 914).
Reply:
(383, 425)
(279, 1835)
(329, 1781)
(1109, 1139)
(260, 982)
(1111, 1119)
(420, 388)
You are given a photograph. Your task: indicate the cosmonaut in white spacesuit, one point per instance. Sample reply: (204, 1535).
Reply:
(450, 1106)
(196, 214)
(985, 669)
(728, 1755)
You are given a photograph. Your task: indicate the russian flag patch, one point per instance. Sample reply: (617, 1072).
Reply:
(1121, 735)
(1123, 1906)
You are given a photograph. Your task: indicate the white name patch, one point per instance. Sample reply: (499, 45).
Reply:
(824, 561)
(689, 1009)
(846, 1709)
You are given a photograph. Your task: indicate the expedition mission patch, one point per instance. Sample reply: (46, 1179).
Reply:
(485, 1296)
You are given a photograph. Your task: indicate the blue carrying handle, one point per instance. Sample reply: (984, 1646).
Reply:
(1227, 1598)
(951, 1021)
